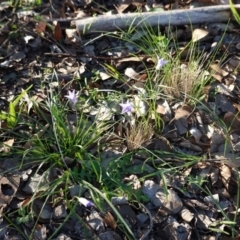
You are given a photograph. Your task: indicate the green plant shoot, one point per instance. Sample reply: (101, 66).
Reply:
(11, 116)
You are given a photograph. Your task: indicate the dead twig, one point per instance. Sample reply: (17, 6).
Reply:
(221, 13)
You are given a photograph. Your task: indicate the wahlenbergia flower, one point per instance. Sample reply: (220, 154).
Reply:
(72, 96)
(161, 62)
(127, 107)
(85, 202)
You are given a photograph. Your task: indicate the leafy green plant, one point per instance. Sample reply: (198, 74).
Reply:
(12, 116)
(69, 138)
(38, 2)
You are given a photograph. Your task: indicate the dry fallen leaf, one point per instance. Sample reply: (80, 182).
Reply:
(73, 36)
(235, 63)
(196, 133)
(162, 144)
(189, 145)
(57, 31)
(199, 34)
(132, 59)
(132, 74)
(17, 56)
(232, 120)
(41, 26)
(110, 221)
(9, 186)
(217, 69)
(181, 121)
(224, 104)
(186, 214)
(225, 173)
(203, 221)
(160, 109)
(7, 145)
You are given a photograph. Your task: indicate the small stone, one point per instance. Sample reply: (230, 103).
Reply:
(234, 137)
(95, 221)
(32, 185)
(173, 203)
(109, 235)
(175, 230)
(150, 188)
(60, 212)
(3, 228)
(186, 214)
(119, 200)
(159, 198)
(142, 217)
(46, 212)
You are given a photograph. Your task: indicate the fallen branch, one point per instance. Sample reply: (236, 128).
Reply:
(212, 14)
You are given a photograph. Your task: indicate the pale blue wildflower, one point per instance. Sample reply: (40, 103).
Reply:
(127, 107)
(72, 96)
(161, 62)
(85, 202)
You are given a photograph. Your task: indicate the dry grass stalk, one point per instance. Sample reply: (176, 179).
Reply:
(138, 135)
(184, 79)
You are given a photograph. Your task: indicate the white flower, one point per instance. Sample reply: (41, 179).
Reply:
(72, 96)
(127, 107)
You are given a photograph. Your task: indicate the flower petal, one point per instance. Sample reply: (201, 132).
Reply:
(72, 96)
(85, 202)
(161, 62)
(127, 107)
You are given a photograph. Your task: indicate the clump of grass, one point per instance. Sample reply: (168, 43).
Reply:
(179, 79)
(139, 135)
(185, 80)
